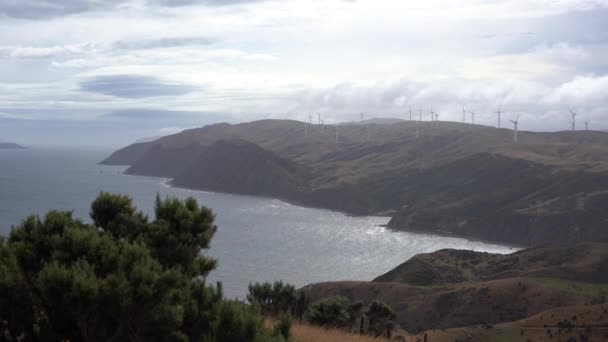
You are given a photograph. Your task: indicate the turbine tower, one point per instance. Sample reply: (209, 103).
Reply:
(515, 123)
(498, 112)
(410, 113)
(587, 125)
(573, 113)
(420, 117)
(336, 134)
(464, 115)
(473, 117)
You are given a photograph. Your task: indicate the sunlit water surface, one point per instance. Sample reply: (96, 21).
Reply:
(258, 239)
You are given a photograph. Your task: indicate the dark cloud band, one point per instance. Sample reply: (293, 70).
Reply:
(134, 86)
(47, 9)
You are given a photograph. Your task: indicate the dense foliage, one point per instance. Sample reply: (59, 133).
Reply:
(330, 312)
(122, 278)
(339, 312)
(380, 317)
(273, 299)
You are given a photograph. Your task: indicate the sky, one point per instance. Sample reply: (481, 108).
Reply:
(109, 72)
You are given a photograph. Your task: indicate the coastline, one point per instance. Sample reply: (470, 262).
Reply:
(168, 183)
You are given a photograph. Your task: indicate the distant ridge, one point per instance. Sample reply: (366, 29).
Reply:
(456, 179)
(11, 146)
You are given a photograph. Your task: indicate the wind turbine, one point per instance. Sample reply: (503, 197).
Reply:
(586, 125)
(436, 118)
(498, 112)
(573, 113)
(336, 134)
(473, 117)
(464, 115)
(410, 113)
(515, 123)
(420, 111)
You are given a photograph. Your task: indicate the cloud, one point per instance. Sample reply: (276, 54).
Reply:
(44, 9)
(48, 9)
(178, 3)
(161, 43)
(134, 86)
(33, 52)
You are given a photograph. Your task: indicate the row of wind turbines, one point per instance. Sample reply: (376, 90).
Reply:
(435, 119)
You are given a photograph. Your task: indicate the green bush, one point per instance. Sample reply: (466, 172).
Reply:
(380, 317)
(283, 326)
(122, 278)
(330, 312)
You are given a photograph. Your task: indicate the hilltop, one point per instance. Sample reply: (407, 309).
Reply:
(11, 146)
(452, 289)
(457, 179)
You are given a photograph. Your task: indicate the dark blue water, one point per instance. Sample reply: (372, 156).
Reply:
(258, 239)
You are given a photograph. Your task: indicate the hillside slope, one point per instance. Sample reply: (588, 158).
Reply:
(465, 180)
(451, 289)
(220, 168)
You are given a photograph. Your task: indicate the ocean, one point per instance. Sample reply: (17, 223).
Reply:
(258, 239)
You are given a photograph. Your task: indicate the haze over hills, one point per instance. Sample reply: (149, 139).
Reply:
(7, 145)
(459, 179)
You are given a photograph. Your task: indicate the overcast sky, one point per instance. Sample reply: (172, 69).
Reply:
(108, 72)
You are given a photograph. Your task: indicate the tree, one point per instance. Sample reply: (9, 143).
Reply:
(273, 299)
(121, 278)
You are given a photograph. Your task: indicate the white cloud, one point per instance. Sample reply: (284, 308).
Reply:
(269, 58)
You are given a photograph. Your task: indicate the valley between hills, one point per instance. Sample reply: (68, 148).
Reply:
(445, 178)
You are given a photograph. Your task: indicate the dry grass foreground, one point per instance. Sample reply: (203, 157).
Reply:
(308, 333)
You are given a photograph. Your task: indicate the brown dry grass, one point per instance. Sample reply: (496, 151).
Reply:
(307, 333)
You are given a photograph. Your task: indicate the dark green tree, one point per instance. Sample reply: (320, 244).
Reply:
(330, 312)
(121, 278)
(273, 299)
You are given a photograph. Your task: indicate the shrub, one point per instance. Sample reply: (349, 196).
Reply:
(330, 312)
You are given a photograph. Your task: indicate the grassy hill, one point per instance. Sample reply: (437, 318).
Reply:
(455, 290)
(465, 180)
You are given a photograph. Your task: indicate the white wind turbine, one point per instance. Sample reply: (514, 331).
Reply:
(586, 125)
(336, 133)
(515, 123)
(498, 112)
(573, 113)
(464, 115)
(410, 113)
(436, 118)
(473, 117)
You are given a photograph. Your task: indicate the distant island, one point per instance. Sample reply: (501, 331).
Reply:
(436, 177)
(10, 146)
